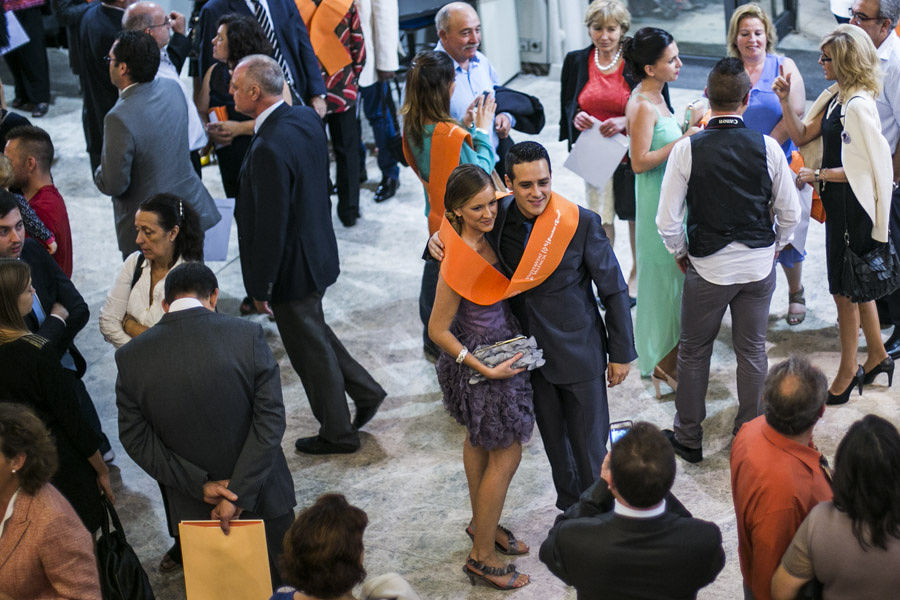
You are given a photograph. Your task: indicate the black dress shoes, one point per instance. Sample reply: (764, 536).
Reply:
(692, 455)
(40, 109)
(386, 189)
(317, 445)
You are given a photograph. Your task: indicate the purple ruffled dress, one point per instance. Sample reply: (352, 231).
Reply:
(496, 412)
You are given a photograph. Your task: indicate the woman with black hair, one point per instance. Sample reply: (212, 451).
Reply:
(237, 36)
(652, 58)
(168, 233)
(851, 545)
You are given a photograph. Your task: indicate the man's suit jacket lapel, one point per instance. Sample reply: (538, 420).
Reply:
(15, 528)
(269, 123)
(506, 205)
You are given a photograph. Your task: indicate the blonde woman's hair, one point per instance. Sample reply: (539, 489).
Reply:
(750, 11)
(6, 172)
(856, 66)
(608, 11)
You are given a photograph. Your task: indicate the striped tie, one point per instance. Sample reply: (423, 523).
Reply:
(262, 16)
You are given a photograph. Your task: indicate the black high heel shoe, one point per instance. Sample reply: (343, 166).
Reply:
(857, 382)
(885, 366)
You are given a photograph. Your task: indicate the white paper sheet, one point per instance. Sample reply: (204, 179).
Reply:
(594, 158)
(17, 35)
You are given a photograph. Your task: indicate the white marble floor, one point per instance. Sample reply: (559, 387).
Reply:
(408, 475)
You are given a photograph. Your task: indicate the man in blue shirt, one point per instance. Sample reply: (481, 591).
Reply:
(459, 30)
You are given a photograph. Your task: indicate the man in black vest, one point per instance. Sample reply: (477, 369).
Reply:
(730, 179)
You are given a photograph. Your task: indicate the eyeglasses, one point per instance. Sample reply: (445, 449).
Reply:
(861, 17)
(823, 58)
(165, 23)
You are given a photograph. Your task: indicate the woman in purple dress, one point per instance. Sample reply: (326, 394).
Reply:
(498, 413)
(751, 37)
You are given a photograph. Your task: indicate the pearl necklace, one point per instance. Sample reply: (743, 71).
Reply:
(610, 65)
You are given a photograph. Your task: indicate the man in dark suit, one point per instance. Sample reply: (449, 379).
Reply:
(289, 252)
(570, 403)
(291, 40)
(209, 431)
(628, 536)
(100, 24)
(59, 310)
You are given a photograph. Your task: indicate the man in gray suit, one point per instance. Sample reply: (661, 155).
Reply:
(145, 141)
(209, 431)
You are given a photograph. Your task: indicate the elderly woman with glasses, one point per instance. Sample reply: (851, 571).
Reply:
(854, 175)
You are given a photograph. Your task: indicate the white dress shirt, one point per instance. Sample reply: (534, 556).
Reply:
(184, 304)
(260, 119)
(196, 133)
(736, 263)
(123, 298)
(639, 513)
(9, 511)
(888, 101)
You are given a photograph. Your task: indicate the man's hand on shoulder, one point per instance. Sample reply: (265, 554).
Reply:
(616, 373)
(436, 246)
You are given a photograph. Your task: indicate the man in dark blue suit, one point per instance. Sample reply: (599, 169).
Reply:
(291, 36)
(583, 353)
(289, 253)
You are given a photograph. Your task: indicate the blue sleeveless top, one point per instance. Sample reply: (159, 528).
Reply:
(764, 110)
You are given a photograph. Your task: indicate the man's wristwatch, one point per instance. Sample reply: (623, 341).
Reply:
(816, 174)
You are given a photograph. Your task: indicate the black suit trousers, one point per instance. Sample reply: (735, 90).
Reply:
(344, 130)
(574, 422)
(326, 369)
(28, 63)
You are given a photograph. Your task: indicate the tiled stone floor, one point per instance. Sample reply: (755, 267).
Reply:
(408, 475)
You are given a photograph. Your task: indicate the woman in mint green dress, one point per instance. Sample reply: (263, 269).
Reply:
(652, 55)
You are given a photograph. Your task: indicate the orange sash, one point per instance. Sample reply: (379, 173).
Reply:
(321, 21)
(446, 142)
(470, 276)
(817, 210)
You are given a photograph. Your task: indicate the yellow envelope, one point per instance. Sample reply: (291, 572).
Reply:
(225, 566)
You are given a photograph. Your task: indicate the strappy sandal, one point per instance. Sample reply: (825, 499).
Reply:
(478, 570)
(795, 317)
(512, 544)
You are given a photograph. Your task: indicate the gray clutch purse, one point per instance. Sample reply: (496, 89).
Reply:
(494, 354)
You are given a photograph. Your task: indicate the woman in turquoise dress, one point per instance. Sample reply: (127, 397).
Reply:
(652, 56)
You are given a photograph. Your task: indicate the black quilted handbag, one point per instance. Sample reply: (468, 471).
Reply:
(872, 275)
(121, 575)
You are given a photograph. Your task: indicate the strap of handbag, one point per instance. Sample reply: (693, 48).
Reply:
(113, 515)
(137, 270)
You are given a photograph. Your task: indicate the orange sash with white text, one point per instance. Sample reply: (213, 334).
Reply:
(321, 22)
(446, 142)
(473, 278)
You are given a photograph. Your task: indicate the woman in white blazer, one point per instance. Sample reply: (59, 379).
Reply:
(853, 172)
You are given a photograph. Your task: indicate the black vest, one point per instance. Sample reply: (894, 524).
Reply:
(729, 192)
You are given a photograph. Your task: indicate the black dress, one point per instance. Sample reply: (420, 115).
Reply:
(31, 375)
(843, 213)
(230, 156)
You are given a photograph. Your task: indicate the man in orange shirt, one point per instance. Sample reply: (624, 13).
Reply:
(777, 474)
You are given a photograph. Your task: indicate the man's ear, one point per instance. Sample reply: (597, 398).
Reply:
(165, 305)
(508, 182)
(213, 298)
(746, 100)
